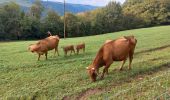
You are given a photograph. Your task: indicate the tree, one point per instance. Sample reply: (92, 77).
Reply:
(84, 23)
(113, 17)
(53, 23)
(31, 23)
(71, 25)
(108, 19)
(10, 15)
(147, 12)
(36, 9)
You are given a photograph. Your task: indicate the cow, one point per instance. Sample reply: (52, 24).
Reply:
(115, 50)
(68, 48)
(79, 47)
(44, 45)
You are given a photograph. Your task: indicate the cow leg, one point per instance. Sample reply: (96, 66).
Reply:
(84, 50)
(39, 57)
(71, 52)
(58, 52)
(121, 67)
(77, 51)
(65, 53)
(46, 55)
(97, 71)
(105, 70)
(130, 62)
(130, 59)
(74, 51)
(56, 49)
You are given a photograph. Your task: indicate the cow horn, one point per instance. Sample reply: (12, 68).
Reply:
(93, 69)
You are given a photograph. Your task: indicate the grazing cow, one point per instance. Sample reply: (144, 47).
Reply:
(79, 47)
(43, 46)
(115, 50)
(68, 48)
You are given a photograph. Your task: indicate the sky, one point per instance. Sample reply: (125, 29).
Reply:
(88, 2)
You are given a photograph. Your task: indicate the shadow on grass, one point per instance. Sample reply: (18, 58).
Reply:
(63, 59)
(153, 49)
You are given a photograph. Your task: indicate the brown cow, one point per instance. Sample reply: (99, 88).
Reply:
(116, 50)
(43, 46)
(68, 48)
(79, 47)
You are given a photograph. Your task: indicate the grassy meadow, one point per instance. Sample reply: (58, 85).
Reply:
(23, 77)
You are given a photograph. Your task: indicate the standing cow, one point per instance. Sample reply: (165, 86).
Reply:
(79, 47)
(44, 45)
(115, 50)
(68, 48)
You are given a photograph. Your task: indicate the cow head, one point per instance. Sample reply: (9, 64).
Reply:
(33, 48)
(92, 73)
(30, 48)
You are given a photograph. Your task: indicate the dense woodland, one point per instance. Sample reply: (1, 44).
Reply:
(16, 24)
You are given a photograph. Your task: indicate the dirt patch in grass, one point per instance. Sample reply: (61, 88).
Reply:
(85, 94)
(136, 76)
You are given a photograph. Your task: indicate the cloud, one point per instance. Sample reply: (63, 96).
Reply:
(89, 2)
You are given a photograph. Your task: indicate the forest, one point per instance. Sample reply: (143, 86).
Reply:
(16, 24)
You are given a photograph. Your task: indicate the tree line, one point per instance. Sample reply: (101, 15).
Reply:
(34, 23)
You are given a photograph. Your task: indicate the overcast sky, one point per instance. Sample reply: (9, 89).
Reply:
(88, 2)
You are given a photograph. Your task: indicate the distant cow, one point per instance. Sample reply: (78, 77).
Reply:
(79, 47)
(68, 48)
(115, 50)
(43, 46)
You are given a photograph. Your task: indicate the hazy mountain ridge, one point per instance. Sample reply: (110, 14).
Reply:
(56, 6)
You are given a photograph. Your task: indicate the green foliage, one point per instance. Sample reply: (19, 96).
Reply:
(152, 12)
(36, 9)
(71, 25)
(17, 24)
(10, 20)
(52, 22)
(112, 20)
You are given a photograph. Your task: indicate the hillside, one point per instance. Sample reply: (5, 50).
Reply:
(22, 76)
(56, 6)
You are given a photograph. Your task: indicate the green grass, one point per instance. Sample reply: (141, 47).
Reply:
(23, 77)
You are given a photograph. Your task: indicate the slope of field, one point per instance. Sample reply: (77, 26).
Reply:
(23, 77)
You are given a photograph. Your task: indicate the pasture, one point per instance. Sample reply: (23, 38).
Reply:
(59, 77)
